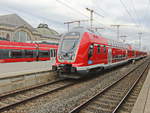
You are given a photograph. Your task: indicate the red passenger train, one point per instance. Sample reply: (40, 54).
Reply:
(25, 52)
(83, 51)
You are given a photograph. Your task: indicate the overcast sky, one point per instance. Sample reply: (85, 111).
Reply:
(134, 15)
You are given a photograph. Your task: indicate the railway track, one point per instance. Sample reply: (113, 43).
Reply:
(14, 98)
(111, 98)
(17, 97)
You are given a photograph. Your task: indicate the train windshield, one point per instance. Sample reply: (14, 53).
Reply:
(69, 44)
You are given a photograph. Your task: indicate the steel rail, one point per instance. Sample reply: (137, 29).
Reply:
(9, 106)
(129, 91)
(29, 88)
(82, 105)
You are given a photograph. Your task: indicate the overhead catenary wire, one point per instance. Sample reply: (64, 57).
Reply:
(99, 7)
(126, 9)
(147, 9)
(97, 4)
(134, 9)
(138, 19)
(54, 21)
(129, 14)
(135, 19)
(136, 22)
(73, 9)
(79, 11)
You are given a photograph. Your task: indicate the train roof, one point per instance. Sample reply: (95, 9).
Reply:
(2, 42)
(105, 41)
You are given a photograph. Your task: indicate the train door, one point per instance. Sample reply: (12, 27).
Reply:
(37, 53)
(126, 56)
(109, 55)
(90, 54)
(52, 55)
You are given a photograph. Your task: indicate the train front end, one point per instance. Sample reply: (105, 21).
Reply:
(68, 56)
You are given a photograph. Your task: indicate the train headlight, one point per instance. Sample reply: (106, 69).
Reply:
(60, 57)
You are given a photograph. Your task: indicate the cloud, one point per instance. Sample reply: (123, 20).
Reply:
(56, 12)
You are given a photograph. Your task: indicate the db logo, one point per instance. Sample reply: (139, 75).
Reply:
(90, 62)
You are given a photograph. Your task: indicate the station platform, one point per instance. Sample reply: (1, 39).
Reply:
(142, 104)
(19, 68)
(14, 76)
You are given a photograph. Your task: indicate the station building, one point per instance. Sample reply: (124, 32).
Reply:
(14, 28)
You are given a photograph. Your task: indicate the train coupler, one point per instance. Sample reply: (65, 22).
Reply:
(54, 68)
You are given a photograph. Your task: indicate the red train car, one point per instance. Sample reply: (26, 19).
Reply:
(46, 51)
(25, 52)
(83, 51)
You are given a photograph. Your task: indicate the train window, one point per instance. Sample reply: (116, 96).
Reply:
(55, 52)
(16, 53)
(91, 50)
(28, 53)
(4, 53)
(43, 53)
(133, 53)
(104, 49)
(51, 53)
(35, 53)
(98, 49)
(70, 42)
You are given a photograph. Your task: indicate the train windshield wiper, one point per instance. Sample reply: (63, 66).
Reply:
(73, 46)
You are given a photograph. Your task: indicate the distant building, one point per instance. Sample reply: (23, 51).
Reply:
(14, 28)
(47, 33)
